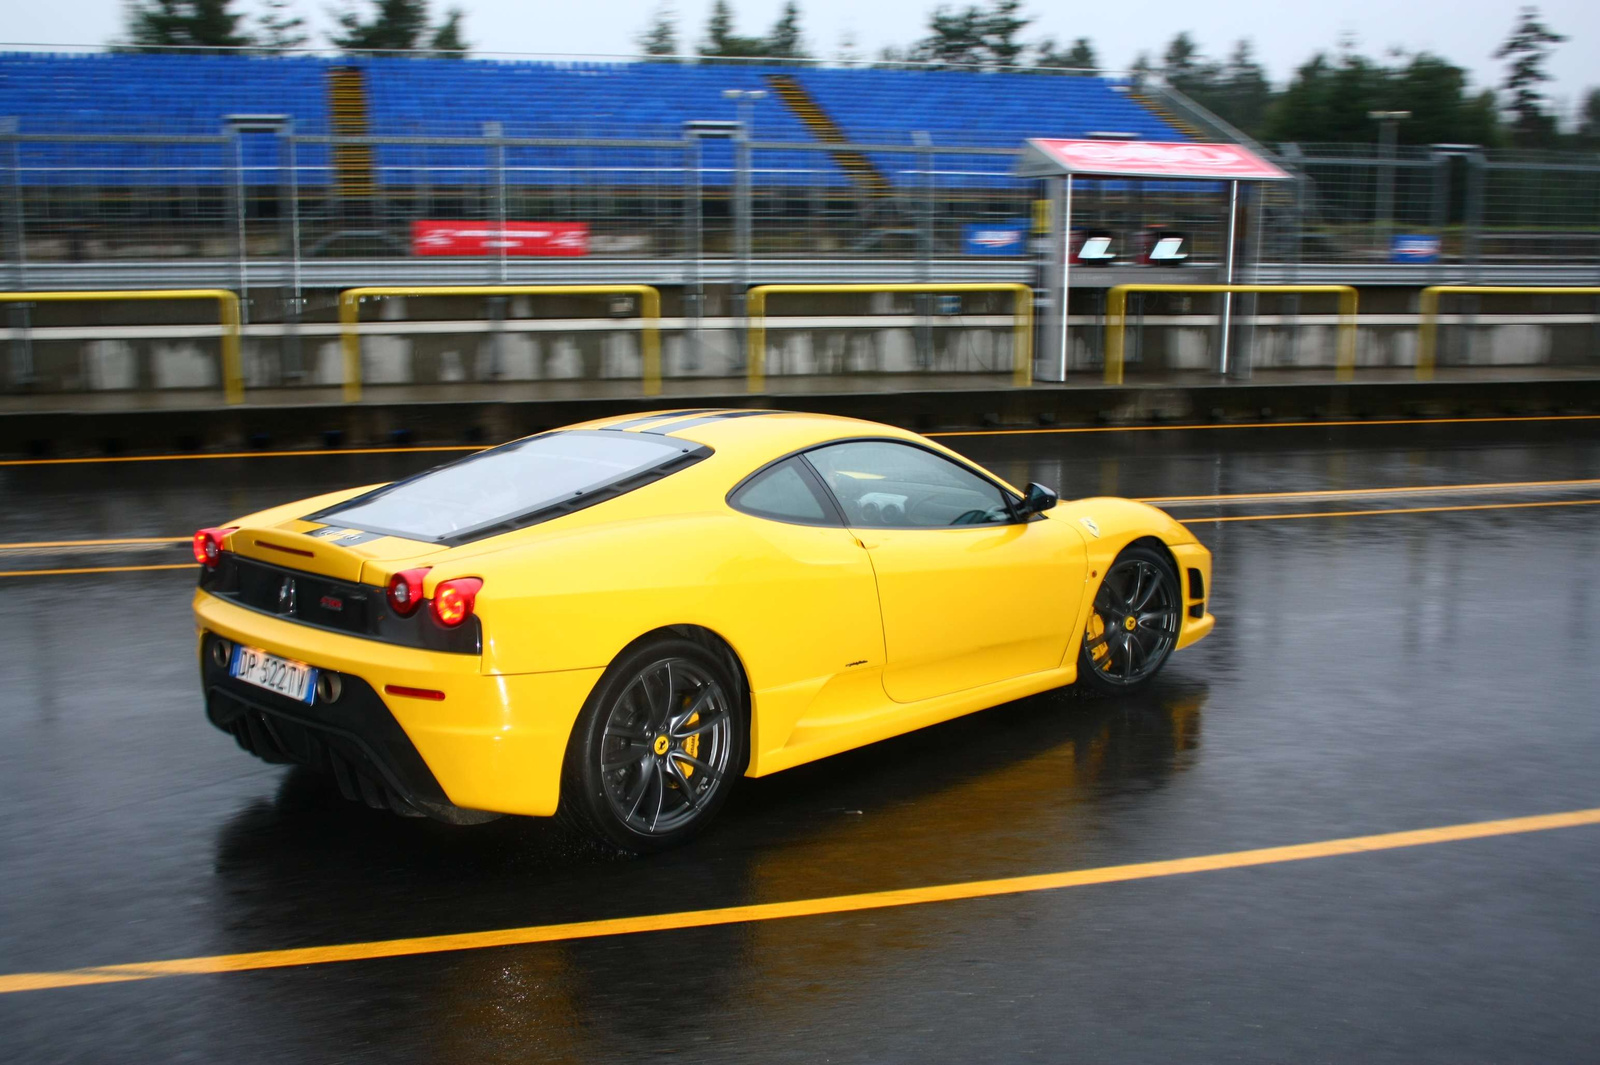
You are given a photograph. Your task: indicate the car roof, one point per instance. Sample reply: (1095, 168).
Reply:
(746, 433)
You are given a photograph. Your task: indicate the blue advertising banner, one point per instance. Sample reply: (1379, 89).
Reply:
(1413, 248)
(995, 238)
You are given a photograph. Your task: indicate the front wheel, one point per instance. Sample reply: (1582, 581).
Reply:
(1133, 625)
(657, 747)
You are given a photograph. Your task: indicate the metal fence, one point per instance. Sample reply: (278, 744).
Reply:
(260, 192)
(1483, 206)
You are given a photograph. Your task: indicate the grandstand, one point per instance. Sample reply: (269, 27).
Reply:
(191, 95)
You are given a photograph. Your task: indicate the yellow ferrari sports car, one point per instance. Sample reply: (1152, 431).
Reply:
(617, 620)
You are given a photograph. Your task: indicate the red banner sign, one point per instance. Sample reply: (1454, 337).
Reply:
(430, 237)
(1168, 159)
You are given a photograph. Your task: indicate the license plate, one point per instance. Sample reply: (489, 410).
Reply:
(294, 680)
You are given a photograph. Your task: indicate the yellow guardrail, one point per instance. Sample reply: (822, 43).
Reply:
(1117, 318)
(350, 315)
(1428, 307)
(227, 309)
(1022, 312)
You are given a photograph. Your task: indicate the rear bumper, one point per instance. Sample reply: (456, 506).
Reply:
(494, 743)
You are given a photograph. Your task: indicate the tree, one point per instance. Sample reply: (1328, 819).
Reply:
(153, 24)
(785, 41)
(1329, 101)
(1141, 71)
(1186, 70)
(661, 37)
(849, 53)
(1080, 58)
(1001, 25)
(721, 41)
(955, 37)
(974, 36)
(1443, 110)
(1528, 48)
(1589, 122)
(281, 29)
(398, 26)
(447, 40)
(1243, 92)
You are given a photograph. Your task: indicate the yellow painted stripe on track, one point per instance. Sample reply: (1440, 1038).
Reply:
(1268, 425)
(91, 569)
(1396, 510)
(330, 452)
(773, 911)
(38, 544)
(1349, 493)
(326, 452)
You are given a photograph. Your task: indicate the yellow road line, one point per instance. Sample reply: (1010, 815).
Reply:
(242, 455)
(1397, 510)
(330, 452)
(773, 911)
(28, 546)
(1347, 493)
(1269, 425)
(92, 569)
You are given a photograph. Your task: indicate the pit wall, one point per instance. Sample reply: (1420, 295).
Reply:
(77, 348)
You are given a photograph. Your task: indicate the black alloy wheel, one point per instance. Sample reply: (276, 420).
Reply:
(1133, 625)
(657, 748)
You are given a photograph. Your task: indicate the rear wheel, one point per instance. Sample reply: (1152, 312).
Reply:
(657, 748)
(1133, 625)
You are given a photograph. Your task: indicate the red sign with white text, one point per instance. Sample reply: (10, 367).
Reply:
(429, 237)
(1168, 159)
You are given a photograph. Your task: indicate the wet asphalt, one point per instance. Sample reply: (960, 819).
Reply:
(1367, 674)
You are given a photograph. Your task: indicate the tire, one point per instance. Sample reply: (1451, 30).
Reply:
(1140, 587)
(658, 747)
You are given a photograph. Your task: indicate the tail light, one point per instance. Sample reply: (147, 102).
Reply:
(208, 546)
(453, 600)
(405, 591)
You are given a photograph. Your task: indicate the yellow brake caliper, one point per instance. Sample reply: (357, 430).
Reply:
(691, 747)
(1102, 653)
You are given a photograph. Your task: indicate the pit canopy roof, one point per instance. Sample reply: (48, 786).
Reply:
(1169, 160)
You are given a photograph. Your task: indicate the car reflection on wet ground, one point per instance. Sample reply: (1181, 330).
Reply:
(1370, 673)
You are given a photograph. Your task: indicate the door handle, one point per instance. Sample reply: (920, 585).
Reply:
(866, 546)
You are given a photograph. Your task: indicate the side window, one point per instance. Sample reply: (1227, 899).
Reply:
(784, 493)
(882, 483)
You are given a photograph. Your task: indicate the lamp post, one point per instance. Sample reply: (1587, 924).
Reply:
(1388, 133)
(744, 101)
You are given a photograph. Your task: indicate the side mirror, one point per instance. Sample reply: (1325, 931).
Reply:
(1038, 499)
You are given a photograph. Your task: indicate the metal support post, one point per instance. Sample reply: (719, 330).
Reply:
(289, 198)
(923, 300)
(495, 131)
(21, 375)
(1063, 347)
(1257, 200)
(17, 236)
(1227, 276)
(1291, 303)
(239, 210)
(1477, 179)
(1388, 134)
(693, 288)
(744, 101)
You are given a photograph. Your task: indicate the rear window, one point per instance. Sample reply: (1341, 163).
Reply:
(515, 485)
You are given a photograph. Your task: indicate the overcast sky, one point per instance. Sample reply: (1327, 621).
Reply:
(1464, 31)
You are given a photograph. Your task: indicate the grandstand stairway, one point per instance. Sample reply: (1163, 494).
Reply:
(857, 166)
(347, 109)
(1155, 107)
